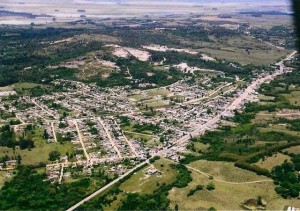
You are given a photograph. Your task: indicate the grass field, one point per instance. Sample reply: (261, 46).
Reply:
(273, 161)
(201, 147)
(232, 49)
(6, 88)
(4, 178)
(281, 129)
(38, 154)
(142, 183)
(138, 97)
(294, 150)
(159, 91)
(156, 103)
(226, 196)
(293, 98)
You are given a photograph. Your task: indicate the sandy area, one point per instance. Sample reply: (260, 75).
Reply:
(109, 64)
(185, 68)
(125, 52)
(207, 58)
(160, 48)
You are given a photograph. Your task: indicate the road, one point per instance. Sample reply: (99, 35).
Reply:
(110, 138)
(107, 186)
(45, 110)
(81, 141)
(53, 131)
(227, 182)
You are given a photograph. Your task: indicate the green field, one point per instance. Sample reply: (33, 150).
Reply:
(143, 183)
(274, 160)
(293, 98)
(293, 150)
(226, 196)
(39, 153)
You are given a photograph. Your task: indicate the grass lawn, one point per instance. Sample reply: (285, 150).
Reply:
(225, 196)
(142, 183)
(273, 161)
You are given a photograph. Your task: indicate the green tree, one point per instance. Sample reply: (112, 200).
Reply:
(54, 155)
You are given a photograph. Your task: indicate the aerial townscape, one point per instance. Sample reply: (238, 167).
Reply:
(149, 105)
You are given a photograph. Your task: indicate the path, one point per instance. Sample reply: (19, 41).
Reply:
(227, 182)
(110, 138)
(130, 145)
(81, 141)
(45, 110)
(209, 96)
(106, 186)
(61, 173)
(53, 131)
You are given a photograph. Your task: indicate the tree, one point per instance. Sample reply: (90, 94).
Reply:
(46, 135)
(54, 155)
(210, 186)
(296, 7)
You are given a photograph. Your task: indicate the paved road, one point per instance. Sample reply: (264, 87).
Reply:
(227, 182)
(106, 186)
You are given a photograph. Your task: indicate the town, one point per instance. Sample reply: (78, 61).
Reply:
(92, 118)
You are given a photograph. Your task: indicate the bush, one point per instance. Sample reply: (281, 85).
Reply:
(211, 186)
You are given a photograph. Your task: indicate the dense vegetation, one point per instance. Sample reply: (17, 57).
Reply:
(8, 138)
(20, 194)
